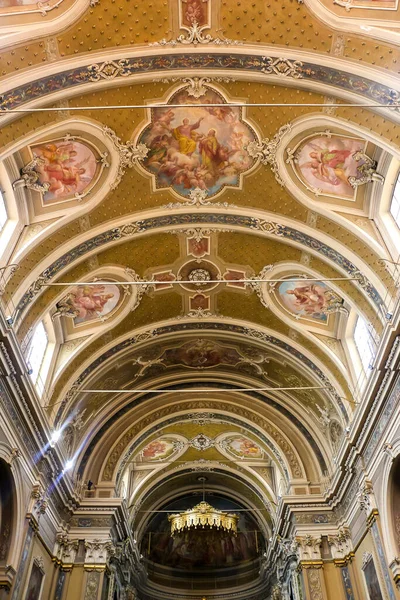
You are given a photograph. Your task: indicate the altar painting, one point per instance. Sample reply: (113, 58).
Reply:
(372, 582)
(197, 147)
(327, 164)
(86, 303)
(68, 168)
(312, 300)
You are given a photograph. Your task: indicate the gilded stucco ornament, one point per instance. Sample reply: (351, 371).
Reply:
(266, 150)
(195, 35)
(283, 67)
(30, 177)
(109, 70)
(198, 198)
(196, 87)
(129, 154)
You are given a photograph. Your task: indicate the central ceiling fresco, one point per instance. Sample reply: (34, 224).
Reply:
(198, 195)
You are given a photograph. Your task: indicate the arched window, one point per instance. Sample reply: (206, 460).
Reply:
(364, 343)
(40, 353)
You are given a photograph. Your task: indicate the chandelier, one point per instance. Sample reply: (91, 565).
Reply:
(203, 516)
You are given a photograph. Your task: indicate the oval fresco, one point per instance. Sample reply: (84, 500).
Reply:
(86, 303)
(197, 146)
(327, 164)
(67, 167)
(312, 300)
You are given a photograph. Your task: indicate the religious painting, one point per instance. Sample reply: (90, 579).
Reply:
(243, 447)
(86, 303)
(158, 449)
(198, 247)
(166, 276)
(197, 147)
(199, 302)
(201, 548)
(201, 354)
(35, 583)
(233, 275)
(371, 580)
(67, 168)
(331, 165)
(311, 300)
(195, 12)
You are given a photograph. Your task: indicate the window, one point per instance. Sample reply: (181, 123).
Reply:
(36, 353)
(395, 203)
(3, 212)
(364, 343)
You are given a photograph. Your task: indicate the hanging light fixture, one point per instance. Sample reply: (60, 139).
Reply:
(203, 516)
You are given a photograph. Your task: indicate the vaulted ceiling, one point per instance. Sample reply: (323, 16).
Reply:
(192, 156)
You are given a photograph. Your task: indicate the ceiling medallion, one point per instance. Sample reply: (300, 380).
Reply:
(203, 516)
(199, 276)
(201, 442)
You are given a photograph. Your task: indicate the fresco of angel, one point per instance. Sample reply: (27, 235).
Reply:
(86, 303)
(309, 299)
(67, 166)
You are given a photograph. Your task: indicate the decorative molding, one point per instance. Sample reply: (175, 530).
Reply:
(129, 154)
(242, 62)
(340, 544)
(110, 69)
(202, 442)
(283, 67)
(197, 198)
(194, 35)
(196, 85)
(309, 547)
(30, 178)
(98, 551)
(266, 151)
(366, 172)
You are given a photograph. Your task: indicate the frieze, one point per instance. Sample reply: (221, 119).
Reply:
(307, 71)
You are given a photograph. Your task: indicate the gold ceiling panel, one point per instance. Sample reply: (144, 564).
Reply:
(22, 57)
(274, 22)
(114, 24)
(370, 51)
(253, 250)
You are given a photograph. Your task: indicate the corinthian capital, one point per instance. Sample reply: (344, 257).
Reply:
(340, 544)
(309, 547)
(98, 551)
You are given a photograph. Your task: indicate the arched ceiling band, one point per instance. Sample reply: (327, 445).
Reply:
(254, 224)
(331, 77)
(200, 326)
(128, 407)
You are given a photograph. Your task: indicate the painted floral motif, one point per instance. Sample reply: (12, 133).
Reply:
(197, 147)
(67, 167)
(89, 302)
(327, 164)
(308, 299)
(157, 449)
(243, 447)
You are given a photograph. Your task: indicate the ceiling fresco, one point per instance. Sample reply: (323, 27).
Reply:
(197, 194)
